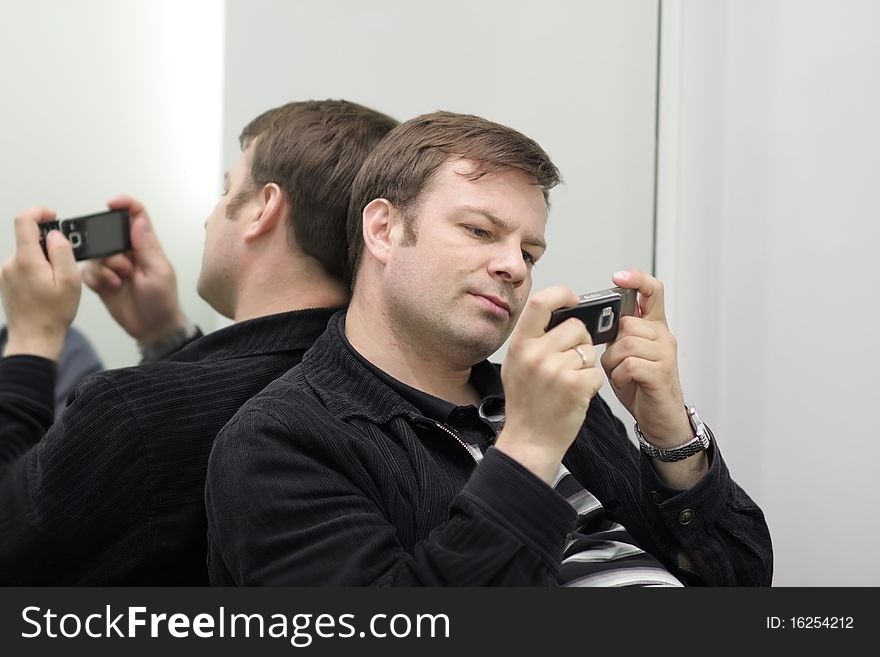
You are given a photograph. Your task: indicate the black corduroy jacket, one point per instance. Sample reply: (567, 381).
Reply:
(113, 493)
(329, 477)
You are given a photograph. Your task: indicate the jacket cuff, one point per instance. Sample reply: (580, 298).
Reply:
(523, 504)
(688, 513)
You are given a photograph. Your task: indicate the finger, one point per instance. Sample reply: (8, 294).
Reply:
(36, 214)
(583, 356)
(650, 292)
(123, 201)
(567, 335)
(561, 365)
(595, 379)
(637, 326)
(120, 264)
(27, 232)
(108, 279)
(631, 347)
(101, 279)
(89, 274)
(536, 315)
(586, 382)
(632, 370)
(143, 237)
(61, 256)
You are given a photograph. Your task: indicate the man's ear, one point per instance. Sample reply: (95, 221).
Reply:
(381, 223)
(271, 211)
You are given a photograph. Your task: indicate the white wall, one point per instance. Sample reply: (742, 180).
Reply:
(114, 96)
(768, 230)
(577, 77)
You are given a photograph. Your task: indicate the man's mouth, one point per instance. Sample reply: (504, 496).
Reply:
(491, 300)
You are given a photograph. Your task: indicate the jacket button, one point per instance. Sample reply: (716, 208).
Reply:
(686, 517)
(657, 497)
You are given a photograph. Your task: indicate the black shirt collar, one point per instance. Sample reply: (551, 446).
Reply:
(485, 378)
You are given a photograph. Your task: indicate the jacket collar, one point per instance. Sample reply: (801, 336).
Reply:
(282, 332)
(347, 388)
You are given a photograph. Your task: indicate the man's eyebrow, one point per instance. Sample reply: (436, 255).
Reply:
(503, 224)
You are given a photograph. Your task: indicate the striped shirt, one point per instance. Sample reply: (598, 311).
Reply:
(601, 552)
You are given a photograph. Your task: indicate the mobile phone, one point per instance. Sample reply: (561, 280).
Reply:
(600, 312)
(94, 235)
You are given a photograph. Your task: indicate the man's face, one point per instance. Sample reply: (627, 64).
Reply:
(217, 279)
(463, 283)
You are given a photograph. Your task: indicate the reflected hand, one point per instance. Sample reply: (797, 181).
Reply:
(40, 296)
(138, 287)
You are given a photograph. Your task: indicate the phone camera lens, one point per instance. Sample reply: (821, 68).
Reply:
(606, 319)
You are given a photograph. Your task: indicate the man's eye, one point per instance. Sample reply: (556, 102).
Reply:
(529, 258)
(478, 232)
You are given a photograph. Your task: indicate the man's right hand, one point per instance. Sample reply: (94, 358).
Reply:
(549, 379)
(40, 296)
(138, 287)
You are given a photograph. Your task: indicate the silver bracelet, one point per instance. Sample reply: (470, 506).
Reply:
(156, 351)
(699, 443)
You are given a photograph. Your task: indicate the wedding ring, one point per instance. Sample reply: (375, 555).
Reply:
(583, 356)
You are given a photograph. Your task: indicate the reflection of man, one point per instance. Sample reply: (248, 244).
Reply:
(77, 360)
(392, 455)
(113, 493)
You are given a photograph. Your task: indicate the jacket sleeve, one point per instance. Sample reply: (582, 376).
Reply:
(27, 386)
(62, 487)
(295, 505)
(719, 530)
(711, 534)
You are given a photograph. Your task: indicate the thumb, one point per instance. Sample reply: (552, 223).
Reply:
(61, 256)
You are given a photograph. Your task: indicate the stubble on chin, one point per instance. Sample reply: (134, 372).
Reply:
(473, 341)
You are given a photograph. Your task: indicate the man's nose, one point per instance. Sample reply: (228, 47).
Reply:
(508, 264)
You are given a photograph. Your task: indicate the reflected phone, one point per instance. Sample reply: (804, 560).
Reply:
(600, 312)
(94, 235)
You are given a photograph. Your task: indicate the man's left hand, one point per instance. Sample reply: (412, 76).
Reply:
(642, 365)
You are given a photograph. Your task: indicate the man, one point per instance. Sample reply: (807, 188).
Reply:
(113, 492)
(390, 456)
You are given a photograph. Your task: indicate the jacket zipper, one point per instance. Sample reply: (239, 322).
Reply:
(475, 455)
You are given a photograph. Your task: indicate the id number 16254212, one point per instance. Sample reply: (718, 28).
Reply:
(810, 623)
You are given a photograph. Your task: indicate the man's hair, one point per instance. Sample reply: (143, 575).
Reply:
(312, 150)
(402, 165)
